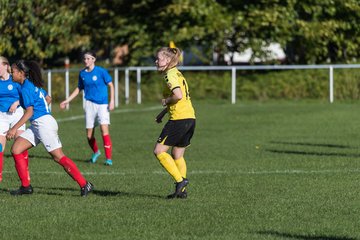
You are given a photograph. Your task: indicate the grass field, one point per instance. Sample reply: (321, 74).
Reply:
(275, 170)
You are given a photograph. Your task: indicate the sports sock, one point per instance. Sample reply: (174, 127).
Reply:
(168, 163)
(181, 165)
(93, 145)
(26, 155)
(1, 164)
(107, 146)
(70, 167)
(22, 168)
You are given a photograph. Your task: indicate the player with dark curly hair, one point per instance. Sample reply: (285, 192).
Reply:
(43, 129)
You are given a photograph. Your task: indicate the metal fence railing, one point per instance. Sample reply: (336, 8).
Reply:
(233, 70)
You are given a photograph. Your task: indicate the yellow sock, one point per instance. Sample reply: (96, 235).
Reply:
(169, 164)
(181, 165)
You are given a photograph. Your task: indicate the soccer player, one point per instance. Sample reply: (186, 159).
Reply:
(10, 110)
(94, 80)
(44, 128)
(179, 130)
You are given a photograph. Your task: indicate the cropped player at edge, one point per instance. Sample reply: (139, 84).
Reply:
(10, 110)
(180, 128)
(94, 80)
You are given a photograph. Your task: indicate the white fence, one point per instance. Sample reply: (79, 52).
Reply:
(233, 70)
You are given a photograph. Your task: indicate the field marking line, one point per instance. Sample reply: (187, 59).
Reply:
(77, 117)
(208, 172)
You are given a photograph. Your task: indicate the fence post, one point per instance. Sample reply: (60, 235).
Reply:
(138, 80)
(49, 85)
(331, 84)
(67, 87)
(127, 85)
(116, 86)
(233, 85)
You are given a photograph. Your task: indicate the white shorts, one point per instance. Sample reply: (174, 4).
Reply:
(45, 130)
(8, 120)
(96, 114)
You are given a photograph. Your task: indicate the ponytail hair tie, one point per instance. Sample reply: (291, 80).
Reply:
(173, 50)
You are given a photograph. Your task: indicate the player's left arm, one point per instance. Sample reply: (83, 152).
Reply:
(48, 99)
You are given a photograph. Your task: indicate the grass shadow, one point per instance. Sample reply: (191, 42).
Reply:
(312, 144)
(101, 193)
(32, 156)
(303, 236)
(4, 190)
(313, 153)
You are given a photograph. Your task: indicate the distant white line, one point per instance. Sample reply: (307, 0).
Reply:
(73, 118)
(208, 172)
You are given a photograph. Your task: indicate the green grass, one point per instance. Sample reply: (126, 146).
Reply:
(274, 170)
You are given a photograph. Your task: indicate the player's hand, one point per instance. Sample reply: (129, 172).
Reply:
(10, 134)
(163, 102)
(63, 104)
(13, 108)
(111, 105)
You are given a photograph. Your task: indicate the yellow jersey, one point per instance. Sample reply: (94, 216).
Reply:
(183, 109)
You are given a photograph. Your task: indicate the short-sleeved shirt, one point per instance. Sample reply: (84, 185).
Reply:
(31, 95)
(9, 93)
(94, 84)
(183, 109)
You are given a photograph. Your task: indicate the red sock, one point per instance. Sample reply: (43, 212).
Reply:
(22, 168)
(1, 164)
(107, 146)
(72, 170)
(26, 155)
(93, 145)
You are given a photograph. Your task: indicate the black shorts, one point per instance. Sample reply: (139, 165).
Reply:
(177, 133)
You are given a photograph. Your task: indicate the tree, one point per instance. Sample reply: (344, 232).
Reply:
(327, 31)
(257, 24)
(39, 29)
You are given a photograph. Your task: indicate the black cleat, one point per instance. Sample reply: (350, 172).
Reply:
(182, 195)
(22, 190)
(86, 189)
(179, 189)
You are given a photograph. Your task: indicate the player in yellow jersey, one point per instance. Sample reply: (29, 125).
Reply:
(179, 130)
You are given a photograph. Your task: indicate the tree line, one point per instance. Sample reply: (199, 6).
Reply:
(310, 32)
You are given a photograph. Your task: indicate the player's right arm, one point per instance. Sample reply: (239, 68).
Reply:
(70, 98)
(14, 106)
(160, 116)
(29, 111)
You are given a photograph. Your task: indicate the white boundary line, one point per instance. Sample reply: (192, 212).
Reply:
(209, 172)
(77, 117)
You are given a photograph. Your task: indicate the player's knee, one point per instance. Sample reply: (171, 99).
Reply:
(15, 150)
(156, 152)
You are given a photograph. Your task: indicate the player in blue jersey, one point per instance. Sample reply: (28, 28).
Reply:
(95, 80)
(43, 129)
(10, 110)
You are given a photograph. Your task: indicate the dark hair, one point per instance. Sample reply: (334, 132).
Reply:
(32, 71)
(90, 52)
